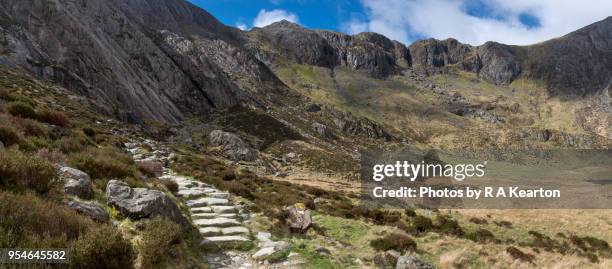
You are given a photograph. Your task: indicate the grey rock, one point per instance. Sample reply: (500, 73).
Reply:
(412, 262)
(76, 182)
(272, 251)
(323, 130)
(299, 219)
(322, 250)
(91, 209)
(433, 56)
(234, 147)
(138, 203)
(313, 108)
(499, 63)
(264, 236)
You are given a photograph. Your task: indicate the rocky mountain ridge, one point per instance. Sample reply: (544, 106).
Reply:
(168, 60)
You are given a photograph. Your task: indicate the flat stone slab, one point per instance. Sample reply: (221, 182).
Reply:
(235, 230)
(223, 195)
(210, 231)
(202, 209)
(223, 209)
(224, 239)
(228, 215)
(207, 201)
(205, 215)
(190, 193)
(218, 222)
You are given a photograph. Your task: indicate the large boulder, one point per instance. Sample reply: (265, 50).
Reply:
(76, 182)
(138, 203)
(233, 147)
(298, 218)
(412, 262)
(91, 209)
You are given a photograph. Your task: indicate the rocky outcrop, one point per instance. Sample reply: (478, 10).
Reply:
(359, 126)
(91, 209)
(138, 203)
(412, 262)
(232, 145)
(323, 131)
(371, 52)
(433, 56)
(299, 218)
(499, 64)
(76, 182)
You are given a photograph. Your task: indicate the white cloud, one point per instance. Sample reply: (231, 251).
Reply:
(265, 17)
(402, 20)
(241, 26)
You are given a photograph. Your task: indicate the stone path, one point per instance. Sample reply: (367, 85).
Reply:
(220, 222)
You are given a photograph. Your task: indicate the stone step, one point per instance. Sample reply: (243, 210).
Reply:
(223, 209)
(190, 193)
(223, 240)
(235, 230)
(219, 222)
(223, 195)
(210, 231)
(205, 216)
(228, 215)
(207, 201)
(201, 209)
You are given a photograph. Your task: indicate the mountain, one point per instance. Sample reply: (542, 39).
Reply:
(168, 60)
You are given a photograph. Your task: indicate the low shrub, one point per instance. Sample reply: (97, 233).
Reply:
(24, 171)
(172, 186)
(51, 155)
(102, 163)
(159, 235)
(151, 168)
(29, 221)
(21, 109)
(70, 144)
(88, 131)
(8, 136)
(517, 254)
(420, 224)
(395, 241)
(447, 225)
(476, 220)
(31, 128)
(481, 235)
(54, 117)
(103, 247)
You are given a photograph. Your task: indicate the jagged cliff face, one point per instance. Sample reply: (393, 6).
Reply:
(161, 59)
(370, 52)
(576, 64)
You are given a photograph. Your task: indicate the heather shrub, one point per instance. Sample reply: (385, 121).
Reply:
(30, 127)
(51, 155)
(8, 136)
(102, 163)
(25, 171)
(54, 117)
(102, 247)
(159, 235)
(21, 109)
(395, 241)
(70, 144)
(29, 221)
(151, 168)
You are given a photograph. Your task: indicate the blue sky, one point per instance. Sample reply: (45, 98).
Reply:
(471, 21)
